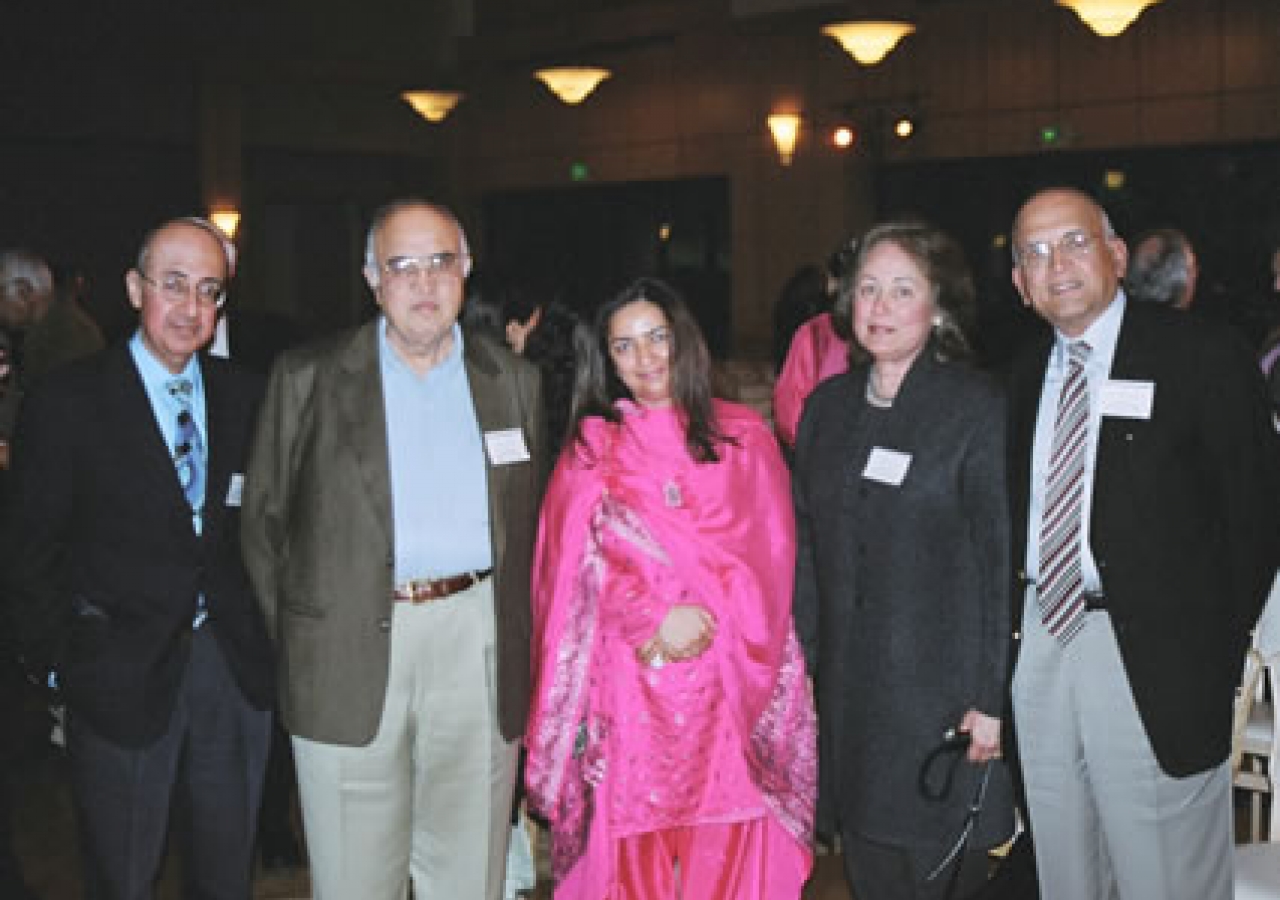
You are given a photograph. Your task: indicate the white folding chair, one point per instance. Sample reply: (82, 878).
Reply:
(1253, 744)
(1257, 865)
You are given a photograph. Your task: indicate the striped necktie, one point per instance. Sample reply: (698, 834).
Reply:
(1061, 583)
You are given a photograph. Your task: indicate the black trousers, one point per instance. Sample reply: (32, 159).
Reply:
(207, 767)
(878, 871)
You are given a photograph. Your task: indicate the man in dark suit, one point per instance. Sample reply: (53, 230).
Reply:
(389, 525)
(1143, 486)
(122, 562)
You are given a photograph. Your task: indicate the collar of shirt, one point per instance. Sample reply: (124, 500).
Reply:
(1101, 337)
(392, 364)
(156, 378)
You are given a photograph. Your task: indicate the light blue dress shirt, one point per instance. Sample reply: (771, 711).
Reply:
(439, 495)
(1101, 337)
(156, 378)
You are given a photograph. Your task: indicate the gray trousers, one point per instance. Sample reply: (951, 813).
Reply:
(208, 765)
(1107, 821)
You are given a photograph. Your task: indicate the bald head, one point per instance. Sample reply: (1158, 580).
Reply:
(190, 223)
(177, 289)
(1058, 197)
(393, 209)
(1067, 259)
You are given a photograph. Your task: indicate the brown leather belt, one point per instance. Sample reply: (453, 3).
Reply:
(428, 590)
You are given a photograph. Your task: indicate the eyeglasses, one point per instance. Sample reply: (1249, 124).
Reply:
(1074, 245)
(175, 287)
(405, 269)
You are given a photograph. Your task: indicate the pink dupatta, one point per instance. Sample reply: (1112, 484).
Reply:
(631, 519)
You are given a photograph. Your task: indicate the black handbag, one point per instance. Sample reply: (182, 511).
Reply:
(1014, 876)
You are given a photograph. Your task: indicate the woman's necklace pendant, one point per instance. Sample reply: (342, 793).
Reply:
(671, 494)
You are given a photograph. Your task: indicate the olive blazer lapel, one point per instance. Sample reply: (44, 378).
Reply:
(358, 400)
(492, 401)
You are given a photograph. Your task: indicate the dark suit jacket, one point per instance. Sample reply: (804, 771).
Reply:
(900, 600)
(318, 529)
(101, 563)
(1184, 521)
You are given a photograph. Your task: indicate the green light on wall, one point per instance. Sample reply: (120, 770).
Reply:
(1050, 135)
(579, 171)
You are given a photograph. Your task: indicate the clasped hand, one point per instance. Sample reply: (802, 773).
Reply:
(685, 633)
(984, 736)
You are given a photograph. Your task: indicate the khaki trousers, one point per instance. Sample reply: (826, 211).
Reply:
(430, 797)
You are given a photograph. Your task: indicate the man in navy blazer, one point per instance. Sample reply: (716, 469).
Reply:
(1122, 694)
(127, 582)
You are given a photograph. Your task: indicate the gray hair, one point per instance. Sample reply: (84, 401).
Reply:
(387, 210)
(1164, 275)
(22, 263)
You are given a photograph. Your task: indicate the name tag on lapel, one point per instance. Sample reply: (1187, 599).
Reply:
(506, 446)
(235, 489)
(887, 466)
(1127, 399)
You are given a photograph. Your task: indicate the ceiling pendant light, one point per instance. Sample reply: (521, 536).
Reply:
(433, 106)
(871, 41)
(572, 84)
(1107, 18)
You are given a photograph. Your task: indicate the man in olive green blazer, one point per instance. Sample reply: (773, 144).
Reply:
(389, 517)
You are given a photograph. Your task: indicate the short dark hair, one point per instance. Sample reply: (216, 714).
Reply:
(597, 385)
(943, 264)
(840, 267)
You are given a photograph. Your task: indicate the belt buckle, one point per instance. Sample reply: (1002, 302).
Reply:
(421, 591)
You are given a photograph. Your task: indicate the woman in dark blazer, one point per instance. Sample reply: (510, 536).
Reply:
(901, 583)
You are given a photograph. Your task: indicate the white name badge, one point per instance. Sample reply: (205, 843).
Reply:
(1127, 399)
(506, 446)
(887, 466)
(235, 489)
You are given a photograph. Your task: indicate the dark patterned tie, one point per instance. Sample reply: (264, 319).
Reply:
(188, 459)
(188, 451)
(1061, 583)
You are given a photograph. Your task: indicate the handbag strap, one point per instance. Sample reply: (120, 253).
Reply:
(956, 853)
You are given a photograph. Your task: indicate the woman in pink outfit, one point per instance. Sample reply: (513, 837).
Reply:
(672, 741)
(818, 351)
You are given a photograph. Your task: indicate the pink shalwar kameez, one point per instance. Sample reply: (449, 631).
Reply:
(816, 354)
(701, 773)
